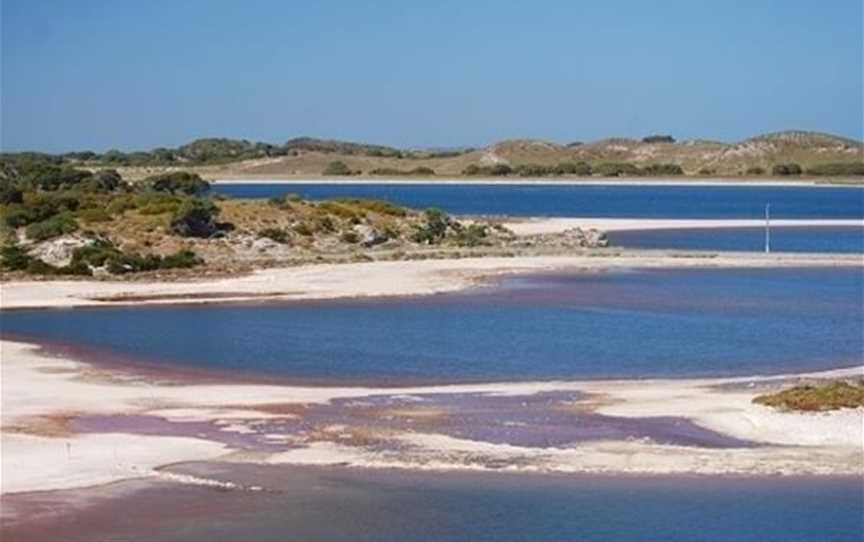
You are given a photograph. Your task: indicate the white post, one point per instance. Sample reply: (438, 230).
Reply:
(767, 228)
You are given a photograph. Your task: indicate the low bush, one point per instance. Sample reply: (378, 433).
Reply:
(838, 169)
(658, 139)
(274, 234)
(472, 235)
(617, 169)
(573, 168)
(178, 182)
(13, 257)
(755, 170)
(195, 217)
(55, 226)
(662, 169)
(819, 397)
(533, 170)
(338, 209)
(94, 214)
(349, 237)
(304, 229)
(786, 169)
(498, 170)
(434, 229)
(337, 168)
(374, 205)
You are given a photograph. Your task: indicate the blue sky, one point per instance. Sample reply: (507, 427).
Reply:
(126, 74)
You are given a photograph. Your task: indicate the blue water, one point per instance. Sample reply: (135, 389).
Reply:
(782, 239)
(340, 506)
(666, 201)
(614, 324)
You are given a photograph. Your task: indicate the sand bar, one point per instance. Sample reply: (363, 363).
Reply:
(537, 226)
(388, 278)
(43, 393)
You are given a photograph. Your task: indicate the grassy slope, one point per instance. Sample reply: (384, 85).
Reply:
(722, 159)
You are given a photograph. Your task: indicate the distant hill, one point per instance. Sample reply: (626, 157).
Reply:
(307, 156)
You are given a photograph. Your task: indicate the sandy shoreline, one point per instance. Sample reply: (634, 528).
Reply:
(43, 395)
(623, 181)
(386, 278)
(534, 226)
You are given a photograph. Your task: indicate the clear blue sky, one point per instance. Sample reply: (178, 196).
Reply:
(136, 74)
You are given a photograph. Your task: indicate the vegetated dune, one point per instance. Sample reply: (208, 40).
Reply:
(309, 157)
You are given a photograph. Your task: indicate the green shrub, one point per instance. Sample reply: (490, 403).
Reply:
(73, 268)
(95, 254)
(339, 209)
(122, 263)
(52, 227)
(38, 267)
(838, 169)
(662, 169)
(182, 259)
(498, 170)
(304, 229)
(617, 169)
(658, 139)
(818, 397)
(533, 170)
(16, 215)
(95, 214)
(178, 182)
(434, 229)
(471, 236)
(14, 258)
(106, 180)
(786, 169)
(10, 193)
(349, 237)
(120, 204)
(195, 217)
(156, 203)
(276, 234)
(381, 207)
(337, 168)
(325, 224)
(755, 170)
(573, 168)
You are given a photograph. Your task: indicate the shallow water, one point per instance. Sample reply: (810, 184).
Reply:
(782, 239)
(621, 201)
(640, 323)
(383, 506)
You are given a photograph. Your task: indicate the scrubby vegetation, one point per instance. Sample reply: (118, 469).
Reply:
(415, 172)
(837, 169)
(658, 139)
(581, 168)
(338, 167)
(100, 253)
(178, 182)
(817, 397)
(48, 201)
(786, 169)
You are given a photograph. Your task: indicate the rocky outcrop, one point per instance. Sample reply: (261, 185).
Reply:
(570, 238)
(58, 251)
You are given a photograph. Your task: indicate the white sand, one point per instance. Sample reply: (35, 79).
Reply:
(534, 226)
(374, 278)
(37, 387)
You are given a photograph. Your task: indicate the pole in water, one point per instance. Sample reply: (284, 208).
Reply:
(767, 228)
